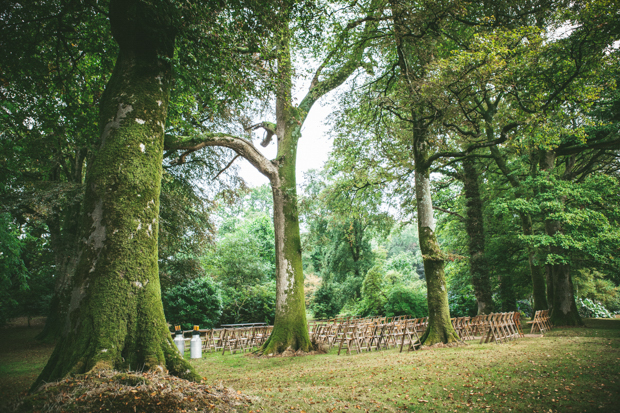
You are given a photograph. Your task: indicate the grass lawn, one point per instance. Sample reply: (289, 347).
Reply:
(567, 370)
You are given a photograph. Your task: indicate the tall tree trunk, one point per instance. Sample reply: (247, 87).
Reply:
(116, 318)
(549, 276)
(507, 293)
(290, 328)
(440, 329)
(474, 224)
(563, 306)
(64, 230)
(64, 245)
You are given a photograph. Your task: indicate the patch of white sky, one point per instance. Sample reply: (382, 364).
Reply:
(314, 145)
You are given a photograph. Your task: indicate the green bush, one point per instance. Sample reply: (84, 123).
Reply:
(326, 301)
(373, 297)
(592, 309)
(463, 302)
(254, 304)
(195, 302)
(406, 300)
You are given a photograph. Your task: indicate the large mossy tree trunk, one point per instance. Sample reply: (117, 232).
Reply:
(562, 295)
(440, 329)
(116, 318)
(474, 225)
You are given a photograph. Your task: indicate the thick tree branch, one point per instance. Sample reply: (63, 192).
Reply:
(241, 146)
(574, 149)
(319, 88)
(503, 137)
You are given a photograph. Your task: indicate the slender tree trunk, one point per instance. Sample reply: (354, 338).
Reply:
(537, 271)
(64, 242)
(290, 327)
(507, 293)
(563, 306)
(474, 223)
(549, 276)
(116, 318)
(440, 329)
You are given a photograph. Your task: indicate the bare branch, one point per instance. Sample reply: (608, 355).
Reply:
(226, 167)
(449, 212)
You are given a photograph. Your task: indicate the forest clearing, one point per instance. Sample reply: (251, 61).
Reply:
(433, 176)
(567, 370)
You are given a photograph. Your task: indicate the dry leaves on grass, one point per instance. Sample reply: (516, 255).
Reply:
(130, 392)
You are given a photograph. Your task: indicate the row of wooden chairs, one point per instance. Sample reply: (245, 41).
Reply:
(541, 322)
(233, 339)
(500, 327)
(356, 334)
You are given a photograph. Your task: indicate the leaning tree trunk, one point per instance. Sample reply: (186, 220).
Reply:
(116, 318)
(474, 224)
(440, 329)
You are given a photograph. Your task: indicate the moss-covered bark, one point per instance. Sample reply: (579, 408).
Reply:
(474, 225)
(290, 326)
(116, 317)
(440, 329)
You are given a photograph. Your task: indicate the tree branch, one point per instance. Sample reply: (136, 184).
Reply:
(226, 167)
(450, 212)
(269, 127)
(241, 146)
(503, 137)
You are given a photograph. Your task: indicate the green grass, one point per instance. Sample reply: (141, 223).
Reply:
(21, 358)
(567, 370)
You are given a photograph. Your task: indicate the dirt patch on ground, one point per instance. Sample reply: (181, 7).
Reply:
(289, 352)
(130, 392)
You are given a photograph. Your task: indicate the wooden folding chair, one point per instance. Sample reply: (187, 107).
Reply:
(410, 336)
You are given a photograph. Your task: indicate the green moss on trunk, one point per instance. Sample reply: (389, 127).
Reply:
(116, 318)
(440, 329)
(290, 326)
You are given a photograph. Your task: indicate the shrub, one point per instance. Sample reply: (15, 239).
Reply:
(254, 304)
(592, 309)
(197, 301)
(463, 302)
(525, 308)
(326, 301)
(373, 297)
(406, 300)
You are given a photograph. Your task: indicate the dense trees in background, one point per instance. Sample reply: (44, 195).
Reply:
(475, 167)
